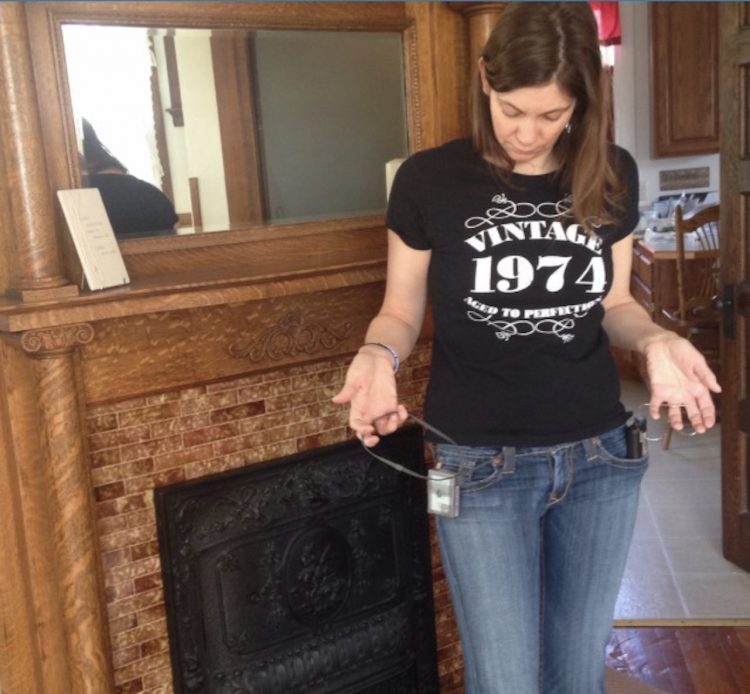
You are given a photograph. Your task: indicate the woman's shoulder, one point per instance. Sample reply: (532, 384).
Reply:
(448, 154)
(622, 160)
(626, 212)
(119, 181)
(427, 178)
(430, 169)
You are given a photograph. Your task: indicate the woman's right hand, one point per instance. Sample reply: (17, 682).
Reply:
(370, 386)
(370, 390)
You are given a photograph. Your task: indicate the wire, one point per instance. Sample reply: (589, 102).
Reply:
(402, 468)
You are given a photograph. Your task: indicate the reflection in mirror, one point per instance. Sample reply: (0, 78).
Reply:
(244, 128)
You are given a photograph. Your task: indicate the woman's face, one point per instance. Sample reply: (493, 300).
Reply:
(528, 121)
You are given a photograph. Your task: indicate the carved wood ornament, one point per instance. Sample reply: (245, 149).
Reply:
(292, 335)
(60, 339)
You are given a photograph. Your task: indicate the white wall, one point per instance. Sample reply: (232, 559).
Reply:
(632, 97)
(201, 130)
(108, 73)
(175, 137)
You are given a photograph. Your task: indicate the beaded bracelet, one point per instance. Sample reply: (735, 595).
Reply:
(394, 353)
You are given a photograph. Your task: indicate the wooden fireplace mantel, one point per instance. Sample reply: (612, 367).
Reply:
(182, 292)
(198, 310)
(61, 357)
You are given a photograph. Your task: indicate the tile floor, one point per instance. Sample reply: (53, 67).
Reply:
(675, 569)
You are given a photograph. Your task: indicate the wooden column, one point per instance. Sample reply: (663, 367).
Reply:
(37, 268)
(482, 18)
(30, 619)
(438, 94)
(59, 567)
(81, 588)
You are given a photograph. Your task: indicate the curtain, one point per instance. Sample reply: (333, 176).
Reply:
(608, 20)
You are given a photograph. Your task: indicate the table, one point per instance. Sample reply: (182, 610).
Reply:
(653, 283)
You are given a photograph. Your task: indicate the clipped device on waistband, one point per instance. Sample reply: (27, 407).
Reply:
(442, 493)
(635, 437)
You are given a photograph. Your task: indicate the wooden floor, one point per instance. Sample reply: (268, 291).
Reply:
(684, 660)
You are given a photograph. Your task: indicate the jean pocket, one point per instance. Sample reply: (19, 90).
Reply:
(476, 469)
(611, 447)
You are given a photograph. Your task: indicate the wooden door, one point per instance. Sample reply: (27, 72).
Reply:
(735, 270)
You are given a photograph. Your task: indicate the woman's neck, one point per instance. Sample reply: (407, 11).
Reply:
(529, 168)
(537, 168)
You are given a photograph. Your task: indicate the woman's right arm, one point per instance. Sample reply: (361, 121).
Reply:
(370, 386)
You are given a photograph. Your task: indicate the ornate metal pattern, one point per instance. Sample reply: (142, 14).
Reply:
(308, 574)
(292, 335)
(317, 574)
(58, 339)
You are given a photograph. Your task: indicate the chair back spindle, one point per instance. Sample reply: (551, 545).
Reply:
(696, 317)
(699, 233)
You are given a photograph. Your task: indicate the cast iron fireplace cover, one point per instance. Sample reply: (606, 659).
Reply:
(309, 573)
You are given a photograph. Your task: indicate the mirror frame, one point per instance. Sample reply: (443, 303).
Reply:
(262, 251)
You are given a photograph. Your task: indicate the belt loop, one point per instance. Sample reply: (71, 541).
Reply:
(589, 445)
(509, 459)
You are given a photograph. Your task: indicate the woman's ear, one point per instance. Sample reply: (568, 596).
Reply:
(483, 76)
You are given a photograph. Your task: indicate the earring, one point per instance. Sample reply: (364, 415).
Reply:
(568, 127)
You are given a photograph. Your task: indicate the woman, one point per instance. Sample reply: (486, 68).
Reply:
(521, 238)
(134, 207)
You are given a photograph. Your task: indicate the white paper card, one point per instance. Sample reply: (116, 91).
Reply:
(93, 237)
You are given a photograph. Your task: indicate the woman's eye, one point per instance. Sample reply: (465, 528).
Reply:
(552, 118)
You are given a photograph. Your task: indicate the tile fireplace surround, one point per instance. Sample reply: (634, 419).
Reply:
(139, 444)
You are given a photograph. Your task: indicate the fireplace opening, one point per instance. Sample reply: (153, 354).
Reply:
(310, 573)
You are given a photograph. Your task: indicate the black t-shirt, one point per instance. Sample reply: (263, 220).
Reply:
(519, 354)
(134, 207)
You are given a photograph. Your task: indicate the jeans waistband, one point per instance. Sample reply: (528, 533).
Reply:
(510, 454)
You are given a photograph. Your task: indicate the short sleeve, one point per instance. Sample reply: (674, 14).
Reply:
(403, 215)
(628, 215)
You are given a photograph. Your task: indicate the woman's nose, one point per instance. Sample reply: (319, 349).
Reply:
(525, 132)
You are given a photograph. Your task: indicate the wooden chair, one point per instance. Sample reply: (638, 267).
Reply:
(696, 316)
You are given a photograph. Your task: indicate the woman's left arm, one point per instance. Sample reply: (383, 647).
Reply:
(678, 373)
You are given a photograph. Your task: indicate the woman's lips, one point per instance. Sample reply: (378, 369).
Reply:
(524, 153)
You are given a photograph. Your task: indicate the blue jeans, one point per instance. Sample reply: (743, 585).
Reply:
(535, 560)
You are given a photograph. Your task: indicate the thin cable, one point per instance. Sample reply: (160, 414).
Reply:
(431, 428)
(401, 468)
(395, 466)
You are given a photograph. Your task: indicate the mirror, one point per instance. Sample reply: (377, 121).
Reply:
(239, 127)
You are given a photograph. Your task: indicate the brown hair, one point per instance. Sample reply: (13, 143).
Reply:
(96, 156)
(537, 43)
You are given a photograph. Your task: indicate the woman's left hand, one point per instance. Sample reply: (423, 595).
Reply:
(681, 378)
